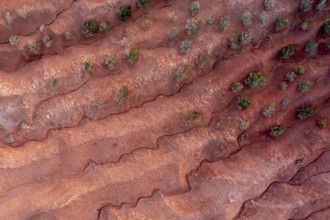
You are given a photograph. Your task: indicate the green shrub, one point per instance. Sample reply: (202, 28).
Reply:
(34, 47)
(48, 42)
(180, 73)
(243, 103)
(287, 52)
(125, 12)
(202, 59)
(255, 80)
(311, 46)
(191, 117)
(54, 81)
(326, 27)
(90, 28)
(88, 64)
(236, 87)
(133, 55)
(304, 85)
(210, 19)
(304, 26)
(277, 130)
(305, 112)
(322, 123)
(100, 104)
(122, 94)
(281, 23)
(142, 3)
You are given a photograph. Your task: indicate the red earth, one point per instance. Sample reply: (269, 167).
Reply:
(164, 109)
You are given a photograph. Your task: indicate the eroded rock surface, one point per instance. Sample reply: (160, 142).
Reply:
(165, 109)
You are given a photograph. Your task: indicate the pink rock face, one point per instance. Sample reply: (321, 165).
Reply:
(181, 110)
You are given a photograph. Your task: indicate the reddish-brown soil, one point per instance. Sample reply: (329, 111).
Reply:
(162, 137)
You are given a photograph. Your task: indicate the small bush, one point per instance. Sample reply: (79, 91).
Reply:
(287, 52)
(290, 76)
(124, 13)
(133, 55)
(233, 41)
(13, 40)
(9, 18)
(48, 42)
(305, 112)
(243, 125)
(255, 80)
(283, 85)
(285, 101)
(100, 104)
(281, 23)
(326, 27)
(192, 27)
(191, 117)
(327, 46)
(173, 35)
(195, 7)
(300, 70)
(104, 27)
(236, 87)
(202, 59)
(322, 123)
(54, 81)
(147, 23)
(110, 62)
(224, 22)
(88, 64)
(90, 28)
(185, 46)
(311, 46)
(304, 85)
(277, 130)
(34, 47)
(142, 3)
(306, 5)
(42, 28)
(304, 26)
(321, 5)
(269, 110)
(180, 73)
(245, 38)
(210, 19)
(171, 16)
(68, 35)
(243, 103)
(122, 94)
(246, 19)
(269, 4)
(24, 13)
